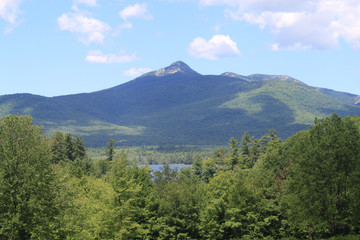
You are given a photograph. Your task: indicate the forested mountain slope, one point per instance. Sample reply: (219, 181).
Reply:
(176, 105)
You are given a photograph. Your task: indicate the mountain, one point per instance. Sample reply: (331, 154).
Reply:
(263, 77)
(343, 96)
(176, 67)
(176, 105)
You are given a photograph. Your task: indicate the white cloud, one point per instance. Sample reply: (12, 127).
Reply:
(308, 24)
(88, 29)
(135, 72)
(219, 46)
(96, 56)
(91, 3)
(138, 10)
(9, 10)
(218, 2)
(260, 5)
(121, 27)
(86, 2)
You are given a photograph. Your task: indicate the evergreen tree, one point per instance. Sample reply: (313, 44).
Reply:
(128, 195)
(69, 147)
(245, 148)
(254, 154)
(234, 154)
(58, 147)
(80, 149)
(219, 157)
(166, 175)
(110, 150)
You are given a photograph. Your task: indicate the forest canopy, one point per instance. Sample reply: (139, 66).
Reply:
(307, 186)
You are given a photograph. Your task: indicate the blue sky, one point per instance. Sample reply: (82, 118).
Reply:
(59, 47)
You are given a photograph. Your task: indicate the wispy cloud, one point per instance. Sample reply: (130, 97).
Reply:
(218, 2)
(308, 24)
(86, 2)
(135, 72)
(219, 46)
(97, 56)
(86, 28)
(90, 3)
(138, 10)
(9, 11)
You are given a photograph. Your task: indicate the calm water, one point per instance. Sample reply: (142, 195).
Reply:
(156, 167)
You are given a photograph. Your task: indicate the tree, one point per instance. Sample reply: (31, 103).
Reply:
(266, 139)
(69, 147)
(166, 175)
(86, 206)
(110, 151)
(229, 212)
(128, 193)
(80, 149)
(245, 150)
(197, 166)
(219, 157)
(180, 204)
(322, 177)
(254, 154)
(266, 181)
(58, 147)
(234, 154)
(27, 187)
(209, 169)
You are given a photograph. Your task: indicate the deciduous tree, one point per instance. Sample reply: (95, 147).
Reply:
(27, 189)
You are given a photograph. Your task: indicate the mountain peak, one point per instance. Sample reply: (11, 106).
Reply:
(176, 67)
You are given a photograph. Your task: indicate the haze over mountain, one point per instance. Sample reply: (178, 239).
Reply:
(177, 105)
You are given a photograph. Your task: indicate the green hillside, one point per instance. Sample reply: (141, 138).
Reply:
(343, 96)
(178, 106)
(287, 100)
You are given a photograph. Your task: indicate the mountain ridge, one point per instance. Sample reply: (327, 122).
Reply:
(180, 107)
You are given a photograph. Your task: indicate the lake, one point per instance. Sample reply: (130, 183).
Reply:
(156, 167)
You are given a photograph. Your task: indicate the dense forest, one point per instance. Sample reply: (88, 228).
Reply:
(306, 187)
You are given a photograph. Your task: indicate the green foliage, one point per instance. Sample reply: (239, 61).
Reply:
(234, 155)
(322, 177)
(69, 147)
(296, 97)
(305, 187)
(110, 152)
(157, 154)
(179, 200)
(197, 166)
(181, 109)
(209, 169)
(66, 148)
(28, 207)
(230, 210)
(246, 142)
(131, 185)
(86, 204)
(58, 148)
(80, 149)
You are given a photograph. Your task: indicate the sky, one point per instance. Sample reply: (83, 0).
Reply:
(60, 47)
